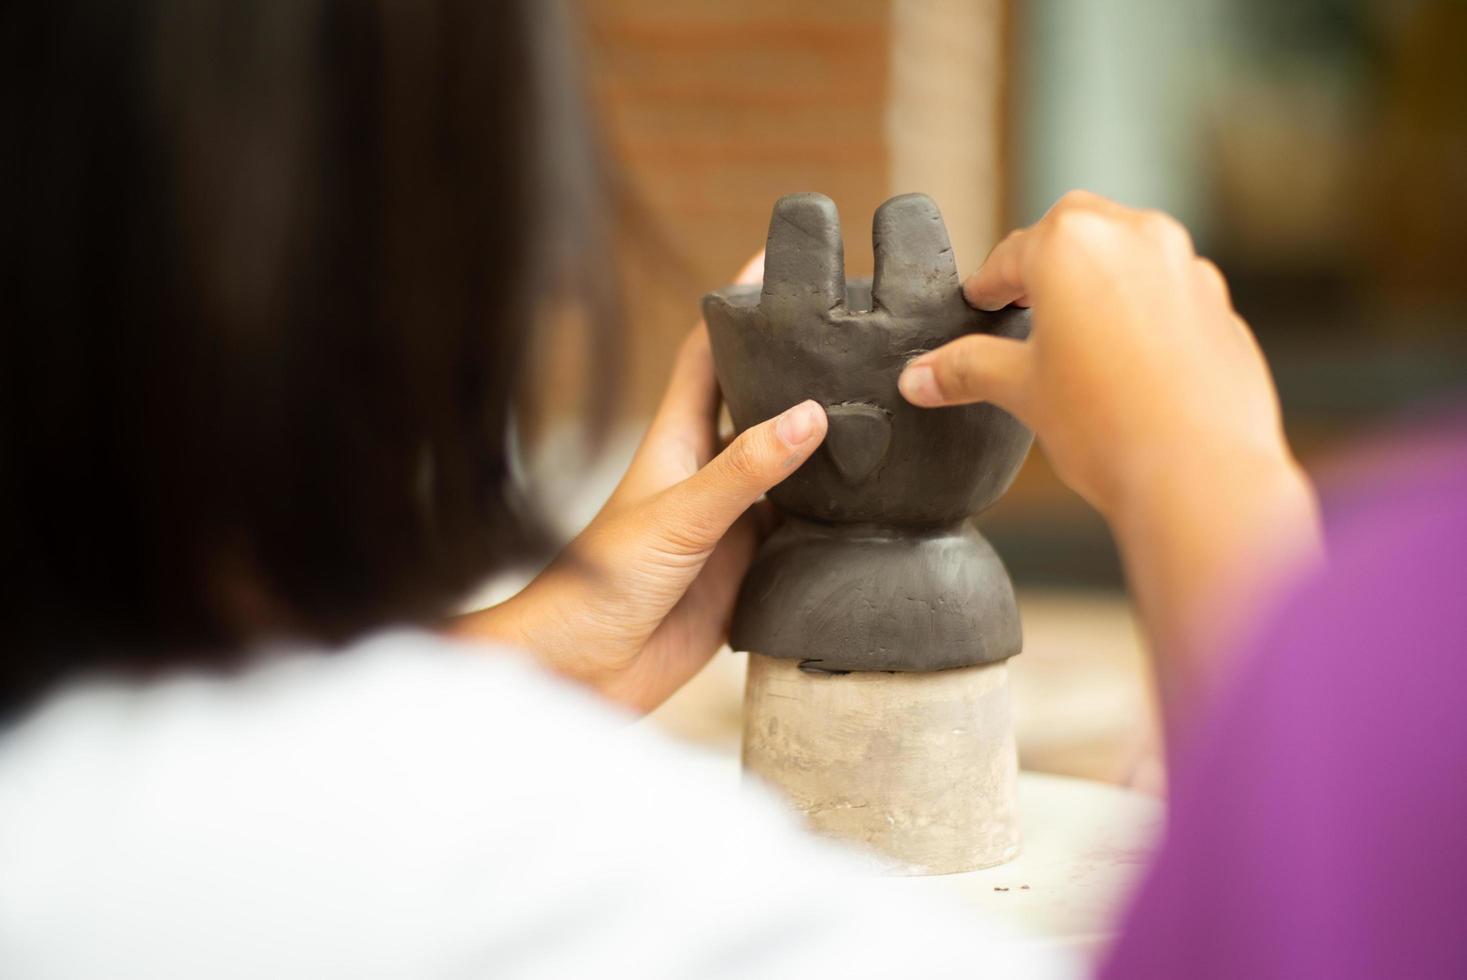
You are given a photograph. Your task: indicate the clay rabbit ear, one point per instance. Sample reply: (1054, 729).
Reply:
(914, 259)
(804, 260)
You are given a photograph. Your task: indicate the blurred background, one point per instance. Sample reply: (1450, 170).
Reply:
(1317, 149)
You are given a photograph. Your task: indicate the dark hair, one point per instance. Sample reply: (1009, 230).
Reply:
(269, 275)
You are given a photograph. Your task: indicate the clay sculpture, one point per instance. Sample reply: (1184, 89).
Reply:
(878, 566)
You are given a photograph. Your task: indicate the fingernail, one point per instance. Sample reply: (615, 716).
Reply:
(797, 425)
(918, 385)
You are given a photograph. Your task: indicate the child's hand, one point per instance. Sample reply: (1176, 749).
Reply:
(642, 598)
(1151, 399)
(1137, 364)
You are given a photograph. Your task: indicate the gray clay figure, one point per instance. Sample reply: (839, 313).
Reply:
(878, 565)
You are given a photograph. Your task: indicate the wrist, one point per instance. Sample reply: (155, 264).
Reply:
(499, 624)
(558, 618)
(1235, 479)
(1204, 546)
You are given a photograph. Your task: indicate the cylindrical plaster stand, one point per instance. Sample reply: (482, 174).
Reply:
(878, 620)
(920, 768)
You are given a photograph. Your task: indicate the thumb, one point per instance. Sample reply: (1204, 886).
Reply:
(976, 368)
(700, 510)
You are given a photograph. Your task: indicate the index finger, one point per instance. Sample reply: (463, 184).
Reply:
(1005, 276)
(1000, 280)
(689, 406)
(752, 274)
(690, 403)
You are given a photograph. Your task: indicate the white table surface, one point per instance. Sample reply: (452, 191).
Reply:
(1085, 844)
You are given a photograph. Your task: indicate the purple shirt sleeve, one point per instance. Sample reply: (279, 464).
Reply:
(1318, 823)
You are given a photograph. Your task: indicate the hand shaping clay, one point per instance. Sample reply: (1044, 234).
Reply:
(878, 566)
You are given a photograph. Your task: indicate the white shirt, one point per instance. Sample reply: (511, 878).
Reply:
(413, 808)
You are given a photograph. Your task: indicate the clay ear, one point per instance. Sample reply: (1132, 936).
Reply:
(915, 270)
(804, 260)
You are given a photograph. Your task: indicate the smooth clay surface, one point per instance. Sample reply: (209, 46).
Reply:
(845, 598)
(881, 570)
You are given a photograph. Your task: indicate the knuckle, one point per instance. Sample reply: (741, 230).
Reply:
(1011, 269)
(1211, 276)
(1005, 250)
(957, 373)
(1166, 231)
(685, 530)
(744, 458)
(1075, 199)
(1080, 227)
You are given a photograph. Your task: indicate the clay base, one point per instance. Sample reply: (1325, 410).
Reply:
(861, 597)
(920, 768)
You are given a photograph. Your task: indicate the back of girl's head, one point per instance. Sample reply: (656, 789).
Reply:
(268, 273)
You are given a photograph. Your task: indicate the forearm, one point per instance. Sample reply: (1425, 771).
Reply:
(1202, 546)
